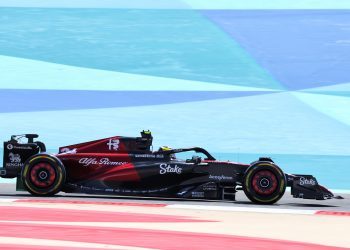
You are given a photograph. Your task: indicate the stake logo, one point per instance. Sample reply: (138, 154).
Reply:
(304, 181)
(165, 168)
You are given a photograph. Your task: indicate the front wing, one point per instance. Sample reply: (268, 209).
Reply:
(307, 187)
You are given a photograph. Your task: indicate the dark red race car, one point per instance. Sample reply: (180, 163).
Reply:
(127, 166)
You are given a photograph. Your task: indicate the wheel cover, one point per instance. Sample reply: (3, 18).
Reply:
(43, 175)
(264, 182)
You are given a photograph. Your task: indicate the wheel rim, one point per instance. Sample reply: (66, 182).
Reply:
(264, 182)
(43, 175)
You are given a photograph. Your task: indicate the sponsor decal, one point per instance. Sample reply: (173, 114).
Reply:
(144, 191)
(198, 194)
(10, 147)
(15, 160)
(68, 151)
(103, 161)
(220, 177)
(22, 147)
(210, 187)
(64, 150)
(158, 156)
(167, 168)
(116, 190)
(305, 181)
(106, 161)
(113, 144)
(97, 189)
(88, 161)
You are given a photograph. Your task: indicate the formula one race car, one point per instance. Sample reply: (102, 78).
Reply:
(127, 166)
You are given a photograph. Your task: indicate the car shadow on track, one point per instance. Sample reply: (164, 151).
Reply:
(104, 198)
(309, 205)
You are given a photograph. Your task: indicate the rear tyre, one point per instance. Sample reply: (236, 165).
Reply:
(264, 183)
(43, 175)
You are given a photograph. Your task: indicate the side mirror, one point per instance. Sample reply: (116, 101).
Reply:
(196, 159)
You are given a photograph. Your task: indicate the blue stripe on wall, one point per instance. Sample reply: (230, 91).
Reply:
(300, 48)
(43, 100)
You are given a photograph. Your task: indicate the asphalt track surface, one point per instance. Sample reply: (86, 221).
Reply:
(287, 202)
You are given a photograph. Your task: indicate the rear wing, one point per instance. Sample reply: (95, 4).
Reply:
(16, 154)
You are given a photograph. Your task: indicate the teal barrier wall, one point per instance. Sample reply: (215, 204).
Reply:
(242, 78)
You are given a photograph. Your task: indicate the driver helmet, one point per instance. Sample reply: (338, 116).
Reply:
(166, 148)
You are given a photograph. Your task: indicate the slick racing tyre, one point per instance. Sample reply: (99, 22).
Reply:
(43, 175)
(264, 182)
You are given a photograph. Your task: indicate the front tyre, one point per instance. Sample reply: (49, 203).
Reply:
(264, 183)
(43, 175)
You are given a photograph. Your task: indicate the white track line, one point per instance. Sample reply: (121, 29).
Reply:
(7, 200)
(221, 208)
(243, 209)
(61, 243)
(232, 208)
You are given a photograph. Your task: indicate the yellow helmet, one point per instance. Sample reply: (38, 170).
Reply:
(165, 148)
